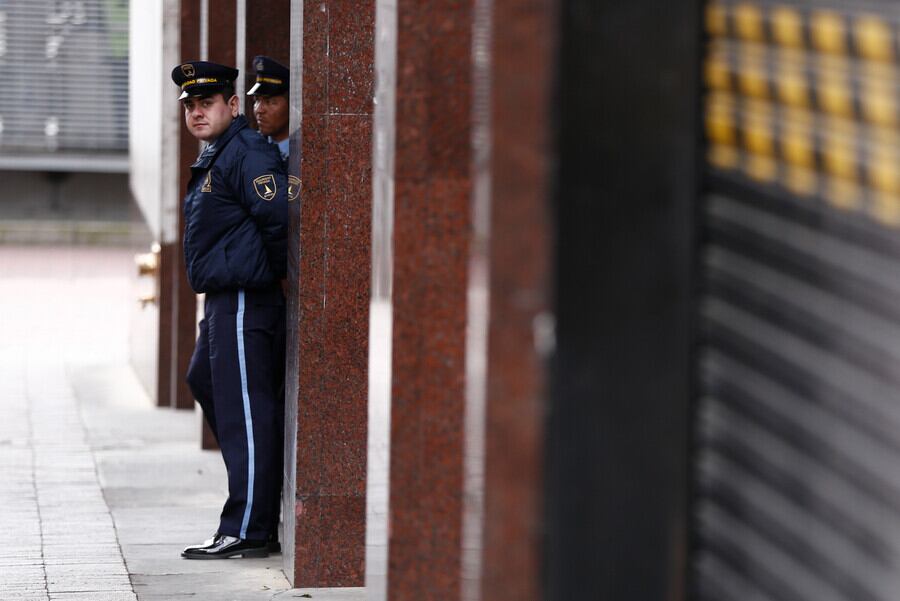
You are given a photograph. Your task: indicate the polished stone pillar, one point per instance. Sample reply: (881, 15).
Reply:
(183, 308)
(220, 46)
(168, 269)
(520, 326)
(221, 30)
(624, 207)
(268, 32)
(330, 267)
(431, 244)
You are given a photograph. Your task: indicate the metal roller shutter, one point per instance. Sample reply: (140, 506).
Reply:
(65, 79)
(798, 429)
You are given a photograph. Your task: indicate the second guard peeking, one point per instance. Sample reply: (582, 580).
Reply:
(270, 101)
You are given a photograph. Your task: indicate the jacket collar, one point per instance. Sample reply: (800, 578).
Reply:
(211, 151)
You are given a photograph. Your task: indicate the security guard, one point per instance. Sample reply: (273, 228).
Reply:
(271, 110)
(270, 103)
(235, 250)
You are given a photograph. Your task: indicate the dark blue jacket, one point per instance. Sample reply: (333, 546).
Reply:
(236, 213)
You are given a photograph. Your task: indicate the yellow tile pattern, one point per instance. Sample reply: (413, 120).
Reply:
(804, 98)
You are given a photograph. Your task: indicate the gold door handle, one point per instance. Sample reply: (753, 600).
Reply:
(148, 264)
(148, 299)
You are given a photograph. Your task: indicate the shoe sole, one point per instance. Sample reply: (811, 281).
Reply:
(246, 554)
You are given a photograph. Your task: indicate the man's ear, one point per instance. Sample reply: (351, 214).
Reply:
(235, 104)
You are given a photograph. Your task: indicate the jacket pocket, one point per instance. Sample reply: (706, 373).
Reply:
(245, 258)
(210, 272)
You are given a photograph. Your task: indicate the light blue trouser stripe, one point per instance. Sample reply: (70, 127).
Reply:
(248, 419)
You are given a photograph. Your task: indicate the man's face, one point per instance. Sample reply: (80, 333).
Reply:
(207, 117)
(271, 114)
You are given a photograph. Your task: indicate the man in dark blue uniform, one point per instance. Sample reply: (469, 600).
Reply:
(271, 108)
(235, 251)
(270, 101)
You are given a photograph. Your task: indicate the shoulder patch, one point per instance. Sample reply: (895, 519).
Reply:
(265, 186)
(293, 187)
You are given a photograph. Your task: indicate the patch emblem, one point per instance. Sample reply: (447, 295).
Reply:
(188, 70)
(259, 66)
(293, 187)
(207, 184)
(265, 186)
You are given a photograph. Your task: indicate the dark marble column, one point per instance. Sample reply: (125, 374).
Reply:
(520, 326)
(221, 43)
(624, 207)
(431, 243)
(292, 367)
(168, 265)
(330, 261)
(184, 301)
(222, 31)
(268, 32)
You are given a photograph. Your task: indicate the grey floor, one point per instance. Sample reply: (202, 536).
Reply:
(101, 489)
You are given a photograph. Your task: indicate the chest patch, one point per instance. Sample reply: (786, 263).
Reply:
(265, 186)
(293, 187)
(207, 183)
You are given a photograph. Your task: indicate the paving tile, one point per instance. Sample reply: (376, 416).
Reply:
(23, 579)
(79, 560)
(86, 570)
(99, 545)
(20, 563)
(94, 596)
(89, 585)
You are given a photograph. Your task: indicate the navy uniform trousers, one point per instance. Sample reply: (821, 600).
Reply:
(237, 376)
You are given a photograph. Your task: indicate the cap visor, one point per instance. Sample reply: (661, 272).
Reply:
(267, 89)
(200, 91)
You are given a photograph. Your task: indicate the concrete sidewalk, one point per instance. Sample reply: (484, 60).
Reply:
(101, 490)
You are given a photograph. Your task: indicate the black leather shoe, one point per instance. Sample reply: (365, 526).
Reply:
(272, 544)
(221, 546)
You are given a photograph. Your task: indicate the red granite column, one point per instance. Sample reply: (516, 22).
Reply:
(431, 244)
(168, 267)
(222, 31)
(268, 32)
(520, 329)
(184, 301)
(331, 267)
(221, 28)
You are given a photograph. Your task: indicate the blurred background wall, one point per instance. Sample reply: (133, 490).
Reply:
(798, 406)
(64, 116)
